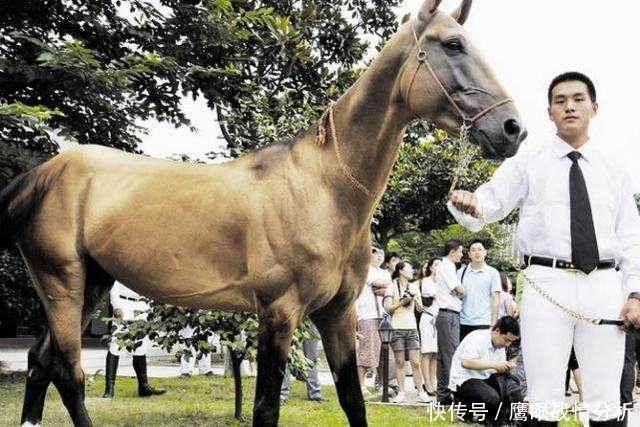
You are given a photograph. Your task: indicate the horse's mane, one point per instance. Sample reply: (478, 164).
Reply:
(270, 155)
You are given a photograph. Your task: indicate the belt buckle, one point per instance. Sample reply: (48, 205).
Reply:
(573, 270)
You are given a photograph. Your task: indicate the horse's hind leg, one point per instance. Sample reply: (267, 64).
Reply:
(337, 326)
(38, 379)
(274, 342)
(61, 289)
(41, 356)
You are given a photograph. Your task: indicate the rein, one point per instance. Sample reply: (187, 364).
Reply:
(321, 139)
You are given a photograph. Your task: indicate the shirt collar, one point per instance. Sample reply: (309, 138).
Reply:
(561, 148)
(477, 270)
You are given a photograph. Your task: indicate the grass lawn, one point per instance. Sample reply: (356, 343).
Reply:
(197, 401)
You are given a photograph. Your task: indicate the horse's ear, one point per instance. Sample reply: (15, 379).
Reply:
(428, 8)
(462, 13)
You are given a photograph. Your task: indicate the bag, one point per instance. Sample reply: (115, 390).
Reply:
(427, 301)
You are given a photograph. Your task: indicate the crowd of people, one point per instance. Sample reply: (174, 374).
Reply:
(430, 312)
(452, 321)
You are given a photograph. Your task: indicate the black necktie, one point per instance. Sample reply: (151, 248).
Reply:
(584, 246)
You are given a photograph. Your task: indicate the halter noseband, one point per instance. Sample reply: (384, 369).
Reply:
(422, 57)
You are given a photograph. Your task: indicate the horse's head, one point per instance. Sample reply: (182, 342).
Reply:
(447, 81)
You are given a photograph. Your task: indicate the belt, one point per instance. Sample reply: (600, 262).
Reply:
(130, 299)
(566, 265)
(448, 310)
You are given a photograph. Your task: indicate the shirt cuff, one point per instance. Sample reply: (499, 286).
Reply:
(467, 221)
(631, 284)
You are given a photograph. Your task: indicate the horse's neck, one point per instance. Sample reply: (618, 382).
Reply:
(371, 119)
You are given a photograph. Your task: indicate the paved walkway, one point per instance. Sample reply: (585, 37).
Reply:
(159, 363)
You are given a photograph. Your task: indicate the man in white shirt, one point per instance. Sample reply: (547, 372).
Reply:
(449, 293)
(370, 311)
(578, 218)
(481, 355)
(127, 305)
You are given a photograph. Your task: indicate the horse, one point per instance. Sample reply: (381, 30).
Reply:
(283, 231)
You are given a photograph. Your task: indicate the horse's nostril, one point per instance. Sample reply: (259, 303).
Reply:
(511, 127)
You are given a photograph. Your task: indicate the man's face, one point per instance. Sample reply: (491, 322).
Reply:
(477, 252)
(457, 254)
(501, 340)
(377, 258)
(571, 108)
(393, 261)
(407, 271)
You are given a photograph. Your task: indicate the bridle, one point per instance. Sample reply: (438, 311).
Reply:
(422, 56)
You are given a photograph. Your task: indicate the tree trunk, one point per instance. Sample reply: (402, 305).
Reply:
(236, 360)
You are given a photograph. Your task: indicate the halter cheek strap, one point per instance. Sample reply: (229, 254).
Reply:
(422, 57)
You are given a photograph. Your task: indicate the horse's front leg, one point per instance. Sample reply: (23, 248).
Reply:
(337, 325)
(274, 342)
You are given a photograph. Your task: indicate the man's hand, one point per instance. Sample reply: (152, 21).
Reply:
(118, 313)
(630, 313)
(504, 366)
(379, 288)
(466, 202)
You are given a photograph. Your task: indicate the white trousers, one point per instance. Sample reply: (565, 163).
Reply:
(188, 364)
(548, 334)
(129, 309)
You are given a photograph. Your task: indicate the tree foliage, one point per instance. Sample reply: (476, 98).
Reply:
(415, 200)
(96, 69)
(238, 331)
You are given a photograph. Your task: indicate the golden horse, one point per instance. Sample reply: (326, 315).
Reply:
(283, 231)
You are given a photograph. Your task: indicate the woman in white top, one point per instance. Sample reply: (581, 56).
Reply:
(401, 301)
(428, 334)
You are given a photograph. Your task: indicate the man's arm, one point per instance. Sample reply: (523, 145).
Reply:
(496, 288)
(495, 307)
(460, 291)
(628, 233)
(452, 280)
(493, 200)
(481, 365)
(114, 298)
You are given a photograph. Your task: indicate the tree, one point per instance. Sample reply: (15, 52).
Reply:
(497, 237)
(95, 69)
(415, 200)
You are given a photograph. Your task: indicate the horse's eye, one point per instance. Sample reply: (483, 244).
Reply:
(454, 45)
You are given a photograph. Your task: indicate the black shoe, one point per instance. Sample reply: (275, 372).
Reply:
(110, 375)
(144, 389)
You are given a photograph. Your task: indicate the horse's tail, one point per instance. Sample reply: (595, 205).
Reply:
(19, 201)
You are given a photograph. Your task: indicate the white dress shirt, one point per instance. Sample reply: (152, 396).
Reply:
(536, 180)
(368, 304)
(446, 281)
(118, 290)
(477, 345)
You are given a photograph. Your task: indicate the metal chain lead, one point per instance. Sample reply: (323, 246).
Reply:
(544, 294)
(465, 155)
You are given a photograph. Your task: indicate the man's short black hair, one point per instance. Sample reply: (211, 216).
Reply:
(390, 255)
(573, 76)
(474, 241)
(507, 325)
(451, 245)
